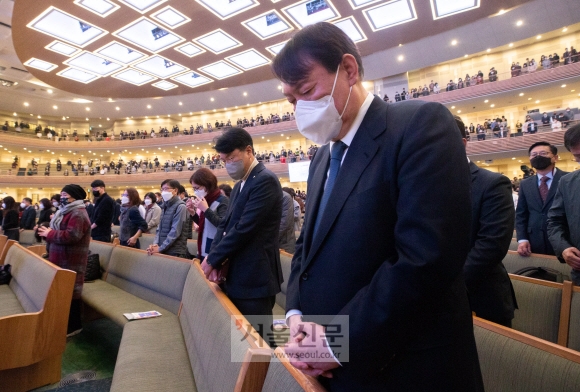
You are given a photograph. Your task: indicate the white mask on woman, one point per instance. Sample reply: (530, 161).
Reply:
(147, 202)
(124, 200)
(55, 203)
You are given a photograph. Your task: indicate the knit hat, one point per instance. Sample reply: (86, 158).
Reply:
(75, 191)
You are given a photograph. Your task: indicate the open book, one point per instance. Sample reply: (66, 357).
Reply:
(141, 315)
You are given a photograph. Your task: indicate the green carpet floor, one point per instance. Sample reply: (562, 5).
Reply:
(95, 349)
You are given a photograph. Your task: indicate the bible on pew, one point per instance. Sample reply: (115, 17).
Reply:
(141, 315)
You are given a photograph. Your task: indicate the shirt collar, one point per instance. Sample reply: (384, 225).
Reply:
(347, 139)
(550, 175)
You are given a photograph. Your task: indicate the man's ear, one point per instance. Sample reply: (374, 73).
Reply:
(350, 65)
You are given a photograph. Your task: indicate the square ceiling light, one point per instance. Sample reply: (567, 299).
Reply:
(361, 3)
(224, 9)
(443, 8)
(275, 49)
(170, 17)
(165, 85)
(100, 7)
(351, 28)
(190, 49)
(160, 67)
(120, 53)
(248, 59)
(90, 62)
(40, 64)
(142, 6)
(78, 75)
(62, 48)
(220, 70)
(390, 14)
(147, 35)
(307, 12)
(192, 79)
(268, 24)
(68, 28)
(134, 77)
(218, 41)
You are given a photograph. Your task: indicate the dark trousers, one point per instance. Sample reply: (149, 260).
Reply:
(103, 238)
(258, 311)
(74, 318)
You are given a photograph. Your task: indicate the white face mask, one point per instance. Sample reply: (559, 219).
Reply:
(55, 203)
(41, 207)
(124, 200)
(319, 120)
(147, 202)
(3, 205)
(201, 193)
(166, 195)
(22, 205)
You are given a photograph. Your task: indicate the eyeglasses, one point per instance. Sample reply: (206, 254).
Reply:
(196, 188)
(167, 189)
(541, 153)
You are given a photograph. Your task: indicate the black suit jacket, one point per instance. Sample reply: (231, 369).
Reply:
(103, 215)
(532, 213)
(490, 291)
(28, 219)
(390, 251)
(564, 215)
(248, 237)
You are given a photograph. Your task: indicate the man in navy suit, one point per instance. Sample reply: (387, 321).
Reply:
(489, 287)
(386, 230)
(535, 199)
(247, 238)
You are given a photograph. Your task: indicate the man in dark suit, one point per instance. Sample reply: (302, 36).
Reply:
(102, 217)
(564, 216)
(247, 238)
(28, 219)
(386, 231)
(535, 199)
(489, 288)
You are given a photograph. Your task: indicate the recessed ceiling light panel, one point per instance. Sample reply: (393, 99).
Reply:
(361, 3)
(142, 6)
(134, 77)
(192, 79)
(68, 28)
(170, 17)
(90, 62)
(121, 53)
(190, 50)
(224, 9)
(165, 85)
(275, 49)
(443, 8)
(307, 12)
(220, 70)
(218, 41)
(390, 14)
(40, 64)
(78, 75)
(351, 28)
(268, 24)
(148, 35)
(160, 67)
(248, 59)
(62, 48)
(102, 8)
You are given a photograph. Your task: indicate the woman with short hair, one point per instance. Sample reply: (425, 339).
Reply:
(67, 244)
(10, 218)
(208, 207)
(131, 222)
(152, 213)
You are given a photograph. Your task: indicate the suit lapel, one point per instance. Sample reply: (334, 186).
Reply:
(315, 189)
(536, 191)
(553, 186)
(359, 154)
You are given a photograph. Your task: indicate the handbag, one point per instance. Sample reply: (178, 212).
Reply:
(5, 274)
(93, 271)
(219, 276)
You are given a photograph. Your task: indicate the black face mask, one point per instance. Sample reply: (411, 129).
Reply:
(96, 194)
(540, 162)
(63, 201)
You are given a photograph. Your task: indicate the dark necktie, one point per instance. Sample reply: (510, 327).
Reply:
(544, 188)
(336, 153)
